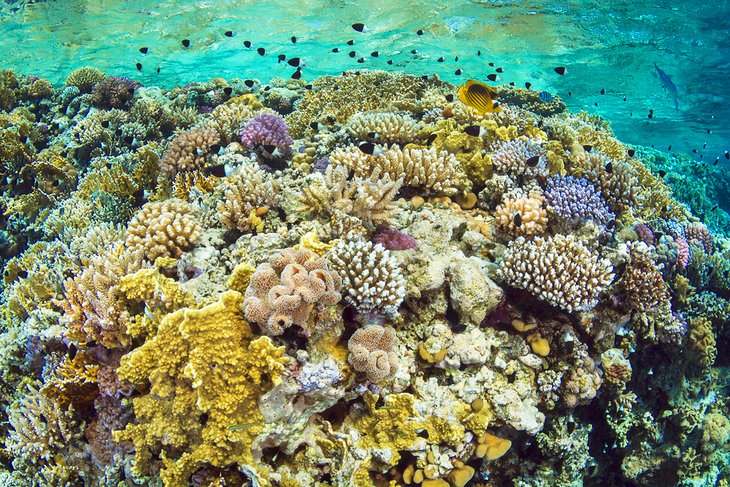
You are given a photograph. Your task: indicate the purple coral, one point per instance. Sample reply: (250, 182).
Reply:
(644, 233)
(393, 239)
(698, 234)
(266, 132)
(575, 199)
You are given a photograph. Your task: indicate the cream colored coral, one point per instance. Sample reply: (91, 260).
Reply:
(388, 127)
(370, 198)
(371, 351)
(617, 180)
(427, 169)
(248, 189)
(189, 151)
(558, 269)
(283, 291)
(163, 229)
(370, 276)
(532, 215)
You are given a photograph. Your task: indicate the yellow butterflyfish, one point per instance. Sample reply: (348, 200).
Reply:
(479, 96)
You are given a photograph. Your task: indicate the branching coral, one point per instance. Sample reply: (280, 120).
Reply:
(616, 179)
(558, 269)
(642, 282)
(512, 158)
(521, 214)
(371, 280)
(205, 375)
(189, 151)
(162, 229)
(249, 190)
(84, 78)
(383, 127)
(371, 352)
(367, 198)
(284, 291)
(427, 169)
(573, 200)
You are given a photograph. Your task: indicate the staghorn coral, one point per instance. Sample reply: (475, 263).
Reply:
(426, 169)
(383, 127)
(371, 351)
(189, 151)
(283, 291)
(162, 229)
(367, 198)
(557, 269)
(371, 280)
(205, 375)
(249, 190)
(521, 214)
(85, 78)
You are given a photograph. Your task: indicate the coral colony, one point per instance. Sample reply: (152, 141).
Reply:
(358, 282)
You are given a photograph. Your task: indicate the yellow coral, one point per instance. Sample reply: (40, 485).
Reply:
(205, 377)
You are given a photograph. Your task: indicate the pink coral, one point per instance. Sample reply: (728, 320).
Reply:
(268, 132)
(393, 239)
(683, 255)
(698, 234)
(644, 233)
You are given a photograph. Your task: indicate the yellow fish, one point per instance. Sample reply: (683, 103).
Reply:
(478, 96)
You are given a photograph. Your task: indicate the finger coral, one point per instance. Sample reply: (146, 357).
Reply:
(371, 352)
(427, 169)
(642, 282)
(283, 291)
(163, 229)
(521, 214)
(559, 270)
(189, 151)
(574, 199)
(383, 127)
(84, 78)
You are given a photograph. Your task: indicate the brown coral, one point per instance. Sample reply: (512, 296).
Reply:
(371, 352)
(189, 151)
(642, 281)
(163, 229)
(249, 190)
(283, 291)
(84, 78)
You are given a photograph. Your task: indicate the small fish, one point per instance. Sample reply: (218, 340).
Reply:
(293, 39)
(491, 64)
(458, 72)
(603, 91)
(316, 126)
(228, 90)
(570, 93)
(624, 98)
(414, 51)
(449, 97)
(186, 42)
(72, 351)
(440, 60)
(560, 70)
(350, 42)
(370, 149)
(375, 54)
(144, 50)
(373, 135)
(261, 51)
(419, 32)
(221, 170)
(228, 33)
(475, 130)
(631, 152)
(532, 161)
(390, 61)
(360, 27)
(479, 53)
(297, 74)
(717, 161)
(669, 148)
(587, 148)
(361, 60)
(105, 124)
(158, 69)
(281, 57)
(352, 54)
(500, 70)
(492, 77)
(727, 155)
(431, 138)
(456, 58)
(609, 168)
(517, 219)
(295, 61)
(248, 82)
(335, 49)
(528, 85)
(662, 173)
(545, 96)
(247, 44)
(651, 114)
(611, 224)
(478, 96)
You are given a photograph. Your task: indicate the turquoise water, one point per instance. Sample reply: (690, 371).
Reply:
(609, 46)
(223, 270)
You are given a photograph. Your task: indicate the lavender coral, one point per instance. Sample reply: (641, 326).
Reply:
(268, 132)
(574, 199)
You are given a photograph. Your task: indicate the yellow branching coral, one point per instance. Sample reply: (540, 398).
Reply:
(522, 215)
(427, 169)
(163, 229)
(384, 127)
(205, 377)
(368, 198)
(285, 290)
(84, 78)
(558, 269)
(250, 189)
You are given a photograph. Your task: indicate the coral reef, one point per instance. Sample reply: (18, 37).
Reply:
(163, 229)
(371, 352)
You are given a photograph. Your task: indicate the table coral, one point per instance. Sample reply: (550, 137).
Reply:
(558, 269)
(283, 291)
(205, 374)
